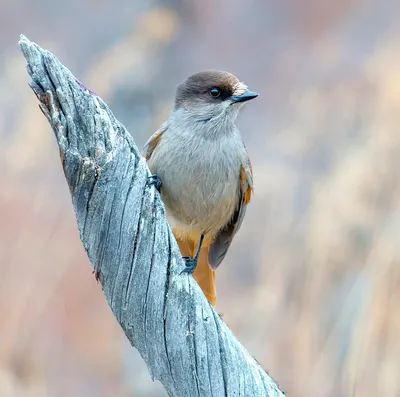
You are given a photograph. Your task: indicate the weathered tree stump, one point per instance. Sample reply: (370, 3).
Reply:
(122, 226)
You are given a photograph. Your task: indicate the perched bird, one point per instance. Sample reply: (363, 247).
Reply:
(201, 164)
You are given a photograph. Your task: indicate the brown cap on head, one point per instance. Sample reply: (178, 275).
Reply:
(210, 86)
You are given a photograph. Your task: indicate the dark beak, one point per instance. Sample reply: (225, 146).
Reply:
(246, 96)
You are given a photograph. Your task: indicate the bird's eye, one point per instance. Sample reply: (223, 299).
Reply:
(215, 92)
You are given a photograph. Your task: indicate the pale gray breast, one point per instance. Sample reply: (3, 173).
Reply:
(200, 176)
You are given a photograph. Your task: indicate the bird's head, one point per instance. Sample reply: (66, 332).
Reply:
(212, 96)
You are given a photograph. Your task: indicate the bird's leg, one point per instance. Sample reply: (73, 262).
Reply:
(154, 180)
(191, 263)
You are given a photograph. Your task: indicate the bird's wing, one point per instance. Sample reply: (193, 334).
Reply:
(223, 240)
(151, 144)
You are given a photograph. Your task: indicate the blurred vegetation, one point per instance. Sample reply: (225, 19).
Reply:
(311, 285)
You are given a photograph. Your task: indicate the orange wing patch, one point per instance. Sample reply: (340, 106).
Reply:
(247, 185)
(152, 145)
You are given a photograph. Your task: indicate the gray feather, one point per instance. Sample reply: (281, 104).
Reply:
(223, 240)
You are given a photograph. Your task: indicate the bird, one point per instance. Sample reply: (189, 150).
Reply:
(201, 167)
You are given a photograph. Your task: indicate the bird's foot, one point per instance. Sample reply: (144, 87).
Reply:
(190, 263)
(154, 180)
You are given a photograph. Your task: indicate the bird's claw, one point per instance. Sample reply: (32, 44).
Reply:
(154, 180)
(190, 263)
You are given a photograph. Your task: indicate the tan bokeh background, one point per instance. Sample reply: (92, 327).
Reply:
(311, 285)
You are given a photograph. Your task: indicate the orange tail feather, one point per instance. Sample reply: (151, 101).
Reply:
(203, 274)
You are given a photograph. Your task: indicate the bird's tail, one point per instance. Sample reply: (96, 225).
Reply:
(203, 274)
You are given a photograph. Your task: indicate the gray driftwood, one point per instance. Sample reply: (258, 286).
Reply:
(124, 231)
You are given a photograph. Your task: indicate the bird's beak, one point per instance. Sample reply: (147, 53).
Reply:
(246, 96)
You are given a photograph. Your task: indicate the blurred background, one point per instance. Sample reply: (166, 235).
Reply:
(311, 285)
